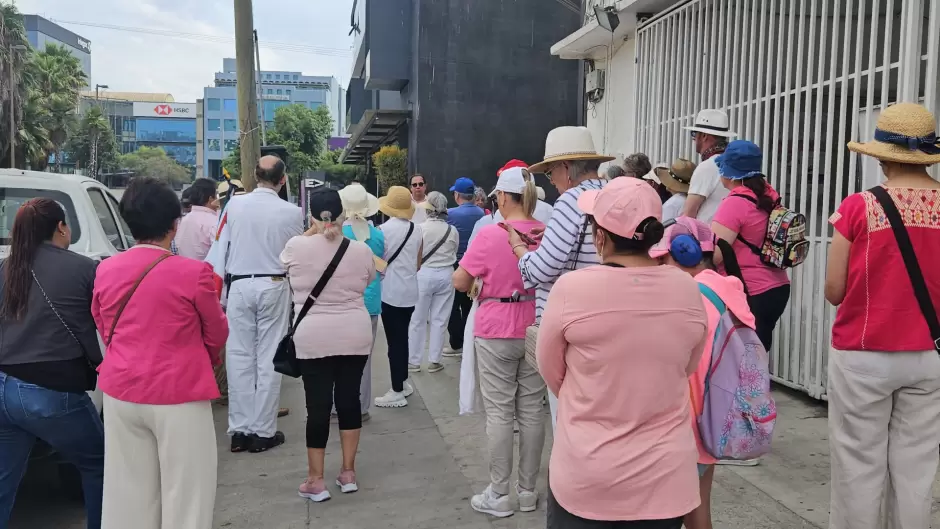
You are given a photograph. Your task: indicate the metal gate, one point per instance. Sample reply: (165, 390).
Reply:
(800, 78)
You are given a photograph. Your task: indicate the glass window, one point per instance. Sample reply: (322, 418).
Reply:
(287, 91)
(213, 105)
(230, 145)
(277, 76)
(270, 90)
(213, 145)
(230, 105)
(270, 108)
(214, 125)
(231, 125)
(11, 198)
(166, 130)
(106, 218)
(183, 154)
(296, 77)
(279, 91)
(116, 208)
(267, 76)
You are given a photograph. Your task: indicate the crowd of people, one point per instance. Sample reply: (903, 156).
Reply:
(605, 304)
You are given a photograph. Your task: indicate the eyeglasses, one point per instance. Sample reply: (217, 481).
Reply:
(692, 134)
(417, 184)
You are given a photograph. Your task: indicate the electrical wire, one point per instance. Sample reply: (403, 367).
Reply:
(570, 7)
(281, 46)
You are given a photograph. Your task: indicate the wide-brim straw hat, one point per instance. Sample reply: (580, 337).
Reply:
(568, 144)
(397, 203)
(678, 177)
(905, 133)
(222, 188)
(357, 202)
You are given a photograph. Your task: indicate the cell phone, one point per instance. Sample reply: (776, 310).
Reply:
(522, 235)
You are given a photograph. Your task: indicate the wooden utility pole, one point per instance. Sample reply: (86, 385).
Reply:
(247, 97)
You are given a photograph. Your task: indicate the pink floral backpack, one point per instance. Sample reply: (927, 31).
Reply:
(738, 412)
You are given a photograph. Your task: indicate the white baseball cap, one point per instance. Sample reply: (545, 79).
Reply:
(512, 180)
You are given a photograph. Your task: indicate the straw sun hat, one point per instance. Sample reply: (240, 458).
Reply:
(677, 177)
(357, 202)
(397, 203)
(905, 133)
(568, 144)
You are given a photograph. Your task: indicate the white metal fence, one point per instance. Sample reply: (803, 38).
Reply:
(800, 78)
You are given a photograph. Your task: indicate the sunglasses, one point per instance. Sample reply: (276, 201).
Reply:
(417, 184)
(692, 134)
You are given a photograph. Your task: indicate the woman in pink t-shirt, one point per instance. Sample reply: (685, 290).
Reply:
(509, 385)
(741, 220)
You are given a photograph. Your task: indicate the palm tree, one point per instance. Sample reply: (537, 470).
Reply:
(59, 77)
(34, 143)
(12, 35)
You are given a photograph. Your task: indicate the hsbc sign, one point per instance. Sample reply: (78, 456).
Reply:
(165, 110)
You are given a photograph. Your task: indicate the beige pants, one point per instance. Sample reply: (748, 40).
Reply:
(510, 386)
(884, 436)
(160, 466)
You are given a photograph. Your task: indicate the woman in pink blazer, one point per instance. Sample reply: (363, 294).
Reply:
(161, 320)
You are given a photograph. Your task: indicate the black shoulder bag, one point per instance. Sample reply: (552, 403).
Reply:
(285, 358)
(438, 245)
(910, 262)
(411, 229)
(730, 261)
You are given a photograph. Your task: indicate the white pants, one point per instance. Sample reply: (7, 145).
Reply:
(884, 410)
(435, 298)
(258, 318)
(160, 467)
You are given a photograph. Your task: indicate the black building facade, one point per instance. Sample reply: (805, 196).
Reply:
(465, 85)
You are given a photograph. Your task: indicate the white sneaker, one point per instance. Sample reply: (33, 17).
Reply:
(528, 499)
(434, 367)
(488, 502)
(451, 352)
(407, 390)
(414, 368)
(392, 399)
(741, 463)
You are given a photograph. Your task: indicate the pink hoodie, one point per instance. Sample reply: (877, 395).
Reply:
(730, 290)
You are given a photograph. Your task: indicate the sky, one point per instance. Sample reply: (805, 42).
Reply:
(141, 62)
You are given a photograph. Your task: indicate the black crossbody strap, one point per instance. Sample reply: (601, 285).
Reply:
(754, 201)
(438, 245)
(62, 321)
(910, 262)
(318, 288)
(411, 229)
(730, 262)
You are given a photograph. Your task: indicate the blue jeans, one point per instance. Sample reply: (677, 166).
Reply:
(68, 422)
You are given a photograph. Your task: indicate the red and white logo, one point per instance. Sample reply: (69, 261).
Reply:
(163, 110)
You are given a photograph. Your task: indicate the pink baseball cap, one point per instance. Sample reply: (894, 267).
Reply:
(622, 206)
(685, 226)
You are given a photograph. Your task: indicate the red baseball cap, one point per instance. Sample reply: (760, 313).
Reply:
(512, 163)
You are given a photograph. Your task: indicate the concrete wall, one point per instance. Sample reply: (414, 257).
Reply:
(612, 120)
(485, 88)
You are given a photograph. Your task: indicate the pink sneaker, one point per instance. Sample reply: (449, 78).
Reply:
(315, 491)
(346, 481)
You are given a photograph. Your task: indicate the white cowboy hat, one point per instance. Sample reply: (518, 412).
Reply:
(566, 144)
(357, 202)
(714, 122)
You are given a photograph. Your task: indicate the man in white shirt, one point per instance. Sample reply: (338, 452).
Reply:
(259, 223)
(710, 134)
(419, 197)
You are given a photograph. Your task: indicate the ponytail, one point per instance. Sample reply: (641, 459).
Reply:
(758, 185)
(530, 195)
(35, 223)
(330, 228)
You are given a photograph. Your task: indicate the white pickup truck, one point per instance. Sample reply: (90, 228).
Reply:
(98, 231)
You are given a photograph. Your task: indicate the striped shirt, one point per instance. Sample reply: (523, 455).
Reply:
(559, 251)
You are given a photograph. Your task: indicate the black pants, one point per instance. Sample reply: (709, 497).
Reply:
(325, 379)
(559, 518)
(396, 321)
(767, 308)
(458, 318)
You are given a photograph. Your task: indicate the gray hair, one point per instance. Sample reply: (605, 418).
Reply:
(580, 168)
(614, 171)
(438, 203)
(479, 193)
(637, 165)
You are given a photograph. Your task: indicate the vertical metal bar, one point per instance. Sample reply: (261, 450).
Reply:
(669, 128)
(684, 81)
(637, 94)
(873, 45)
(724, 40)
(843, 110)
(660, 69)
(734, 82)
(713, 54)
(753, 72)
(767, 103)
(912, 22)
(933, 44)
(857, 94)
(886, 57)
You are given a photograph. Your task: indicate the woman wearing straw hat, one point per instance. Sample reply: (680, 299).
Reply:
(403, 251)
(884, 371)
(676, 179)
(359, 205)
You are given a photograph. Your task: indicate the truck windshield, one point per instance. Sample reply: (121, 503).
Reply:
(11, 198)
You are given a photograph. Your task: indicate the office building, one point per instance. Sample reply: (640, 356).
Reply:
(40, 32)
(465, 90)
(220, 129)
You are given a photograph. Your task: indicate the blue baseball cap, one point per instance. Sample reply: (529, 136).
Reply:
(463, 185)
(741, 159)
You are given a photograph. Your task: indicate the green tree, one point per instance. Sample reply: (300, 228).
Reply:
(391, 166)
(15, 87)
(58, 77)
(154, 162)
(335, 171)
(92, 128)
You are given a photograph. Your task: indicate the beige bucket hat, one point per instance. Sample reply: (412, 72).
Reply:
(677, 177)
(905, 133)
(568, 144)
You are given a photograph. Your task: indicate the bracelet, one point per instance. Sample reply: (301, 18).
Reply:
(521, 245)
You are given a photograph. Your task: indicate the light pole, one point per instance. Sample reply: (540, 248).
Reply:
(94, 143)
(13, 49)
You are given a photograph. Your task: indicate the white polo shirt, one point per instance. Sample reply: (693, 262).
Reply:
(706, 182)
(400, 284)
(260, 225)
